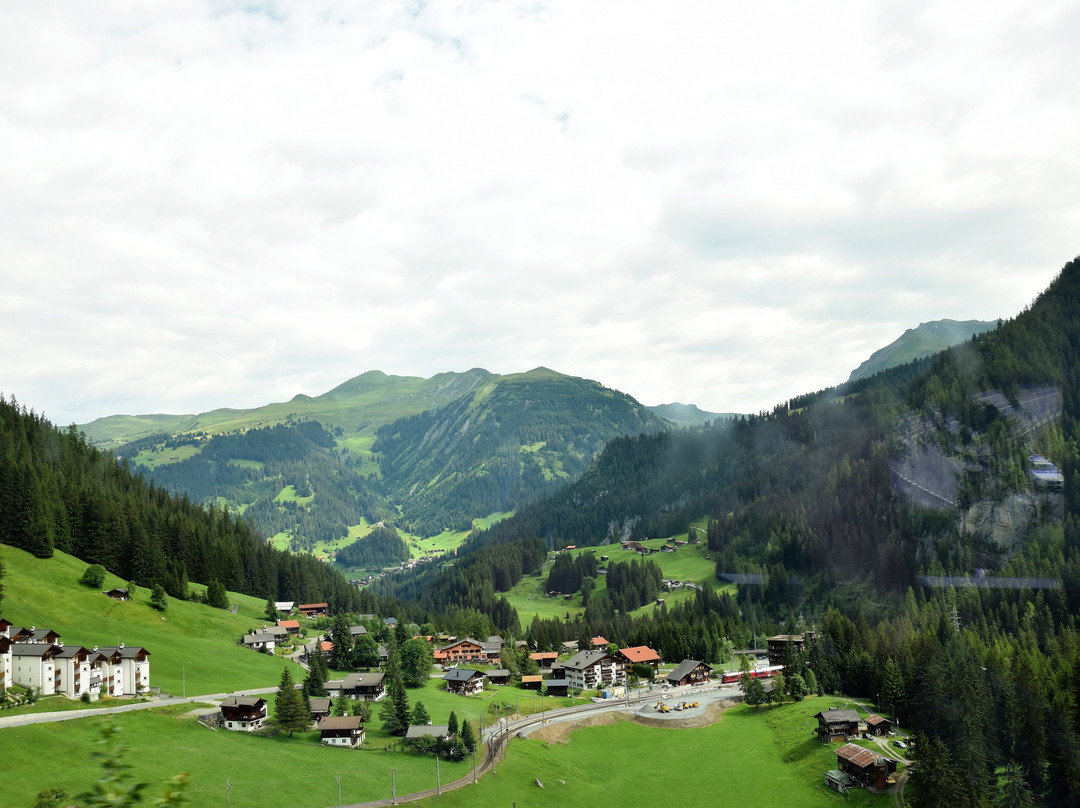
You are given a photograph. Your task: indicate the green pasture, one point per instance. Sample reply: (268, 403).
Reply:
(152, 458)
(765, 759)
(188, 641)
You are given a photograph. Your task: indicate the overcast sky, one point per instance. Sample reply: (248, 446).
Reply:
(208, 204)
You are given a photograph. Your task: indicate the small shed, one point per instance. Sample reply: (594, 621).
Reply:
(558, 687)
(498, 676)
(532, 682)
(877, 725)
(118, 594)
(838, 781)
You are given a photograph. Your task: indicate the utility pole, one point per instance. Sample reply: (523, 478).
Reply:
(338, 778)
(438, 781)
(393, 788)
(228, 792)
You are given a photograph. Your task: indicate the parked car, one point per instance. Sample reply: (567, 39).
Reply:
(899, 744)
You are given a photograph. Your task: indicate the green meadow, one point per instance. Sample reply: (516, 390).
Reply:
(188, 642)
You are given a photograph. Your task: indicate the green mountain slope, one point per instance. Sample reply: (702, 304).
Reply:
(510, 442)
(519, 437)
(916, 343)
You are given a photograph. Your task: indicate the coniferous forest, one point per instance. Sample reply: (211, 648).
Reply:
(58, 492)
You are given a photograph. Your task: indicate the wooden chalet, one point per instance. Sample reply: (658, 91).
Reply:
(313, 609)
(290, 626)
(342, 730)
(243, 713)
(557, 687)
(320, 707)
(118, 594)
(837, 725)
(498, 676)
(865, 766)
(532, 682)
(464, 681)
(689, 672)
(877, 725)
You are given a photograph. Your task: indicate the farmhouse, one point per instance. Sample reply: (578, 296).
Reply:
(865, 766)
(290, 626)
(591, 670)
(837, 724)
(342, 730)
(689, 672)
(464, 681)
(243, 713)
(118, 594)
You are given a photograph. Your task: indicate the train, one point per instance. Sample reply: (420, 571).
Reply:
(732, 677)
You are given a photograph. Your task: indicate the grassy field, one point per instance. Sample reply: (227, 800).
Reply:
(191, 636)
(764, 758)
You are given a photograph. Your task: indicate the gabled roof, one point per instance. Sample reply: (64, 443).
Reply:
(856, 755)
(34, 649)
(599, 642)
(354, 680)
(242, 701)
(585, 659)
(70, 651)
(875, 720)
(287, 624)
(835, 716)
(541, 655)
(525, 680)
(496, 673)
(461, 675)
(357, 630)
(332, 722)
(251, 639)
(685, 668)
(640, 653)
(284, 605)
(319, 704)
(435, 730)
(462, 641)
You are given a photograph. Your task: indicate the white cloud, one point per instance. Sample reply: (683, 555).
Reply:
(208, 204)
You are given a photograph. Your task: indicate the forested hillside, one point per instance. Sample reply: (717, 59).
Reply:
(804, 513)
(57, 491)
(287, 478)
(512, 442)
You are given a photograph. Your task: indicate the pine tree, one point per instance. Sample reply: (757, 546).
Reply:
(216, 595)
(468, 737)
(271, 610)
(452, 724)
(289, 709)
(419, 716)
(158, 599)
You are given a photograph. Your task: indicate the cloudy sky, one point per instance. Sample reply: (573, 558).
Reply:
(209, 204)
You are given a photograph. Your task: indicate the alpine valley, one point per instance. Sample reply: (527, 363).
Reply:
(916, 529)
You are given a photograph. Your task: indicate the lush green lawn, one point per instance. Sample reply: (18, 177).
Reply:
(188, 637)
(761, 759)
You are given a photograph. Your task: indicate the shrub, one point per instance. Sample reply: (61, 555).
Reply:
(94, 576)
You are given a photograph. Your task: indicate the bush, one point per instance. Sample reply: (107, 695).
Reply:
(94, 576)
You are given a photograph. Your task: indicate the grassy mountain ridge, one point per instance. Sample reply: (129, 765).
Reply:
(528, 433)
(915, 343)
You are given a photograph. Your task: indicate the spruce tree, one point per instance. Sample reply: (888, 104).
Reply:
(419, 716)
(452, 724)
(289, 711)
(468, 737)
